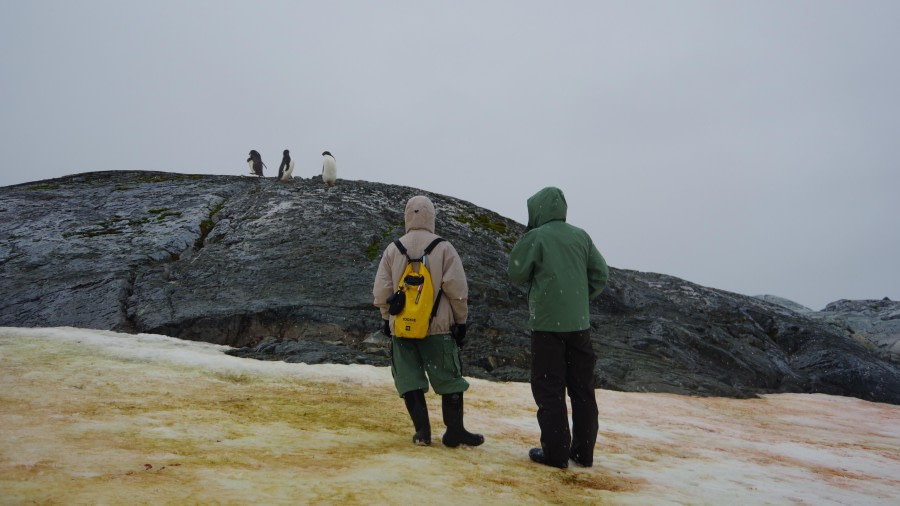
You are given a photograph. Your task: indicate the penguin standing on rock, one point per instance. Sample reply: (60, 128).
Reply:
(329, 169)
(286, 168)
(255, 162)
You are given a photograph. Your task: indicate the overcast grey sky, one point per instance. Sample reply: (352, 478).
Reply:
(745, 145)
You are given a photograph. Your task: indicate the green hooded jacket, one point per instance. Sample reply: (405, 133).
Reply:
(560, 263)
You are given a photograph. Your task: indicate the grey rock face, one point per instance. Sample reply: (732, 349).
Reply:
(874, 323)
(781, 301)
(284, 271)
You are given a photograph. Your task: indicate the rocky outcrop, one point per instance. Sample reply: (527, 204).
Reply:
(781, 301)
(874, 323)
(284, 271)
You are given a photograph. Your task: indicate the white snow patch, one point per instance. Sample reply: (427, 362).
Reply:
(99, 417)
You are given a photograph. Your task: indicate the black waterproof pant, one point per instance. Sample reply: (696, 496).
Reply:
(565, 361)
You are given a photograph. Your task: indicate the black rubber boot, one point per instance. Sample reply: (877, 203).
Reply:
(537, 455)
(418, 411)
(452, 408)
(582, 460)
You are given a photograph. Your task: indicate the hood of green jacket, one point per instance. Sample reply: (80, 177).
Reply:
(545, 206)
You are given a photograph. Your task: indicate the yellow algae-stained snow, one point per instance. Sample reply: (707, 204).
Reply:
(98, 417)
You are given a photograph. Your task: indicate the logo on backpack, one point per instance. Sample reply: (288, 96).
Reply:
(414, 304)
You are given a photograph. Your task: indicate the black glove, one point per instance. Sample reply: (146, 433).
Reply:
(458, 333)
(386, 329)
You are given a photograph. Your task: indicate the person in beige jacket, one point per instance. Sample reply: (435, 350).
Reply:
(415, 362)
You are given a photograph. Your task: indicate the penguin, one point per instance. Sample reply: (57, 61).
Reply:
(286, 168)
(255, 162)
(329, 169)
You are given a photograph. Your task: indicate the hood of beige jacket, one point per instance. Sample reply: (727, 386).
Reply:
(419, 214)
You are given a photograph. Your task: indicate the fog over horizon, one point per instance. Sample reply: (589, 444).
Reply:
(750, 147)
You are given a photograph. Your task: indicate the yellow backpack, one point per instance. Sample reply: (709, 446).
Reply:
(414, 299)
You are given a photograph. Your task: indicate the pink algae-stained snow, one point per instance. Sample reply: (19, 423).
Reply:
(100, 417)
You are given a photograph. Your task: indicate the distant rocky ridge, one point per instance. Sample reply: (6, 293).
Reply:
(874, 323)
(283, 271)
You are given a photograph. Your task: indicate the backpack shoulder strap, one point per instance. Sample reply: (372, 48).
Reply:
(437, 302)
(433, 244)
(402, 248)
(440, 294)
(428, 249)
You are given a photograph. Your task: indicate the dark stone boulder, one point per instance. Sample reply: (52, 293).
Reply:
(284, 271)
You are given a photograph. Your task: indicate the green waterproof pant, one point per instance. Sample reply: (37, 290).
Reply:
(435, 356)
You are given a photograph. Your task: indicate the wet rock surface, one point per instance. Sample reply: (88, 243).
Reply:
(875, 323)
(283, 271)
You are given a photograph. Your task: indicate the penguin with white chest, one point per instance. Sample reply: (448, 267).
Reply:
(286, 168)
(329, 169)
(255, 162)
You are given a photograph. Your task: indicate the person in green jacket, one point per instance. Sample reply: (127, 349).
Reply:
(564, 272)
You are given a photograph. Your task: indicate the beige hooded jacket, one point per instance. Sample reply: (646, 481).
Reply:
(444, 265)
